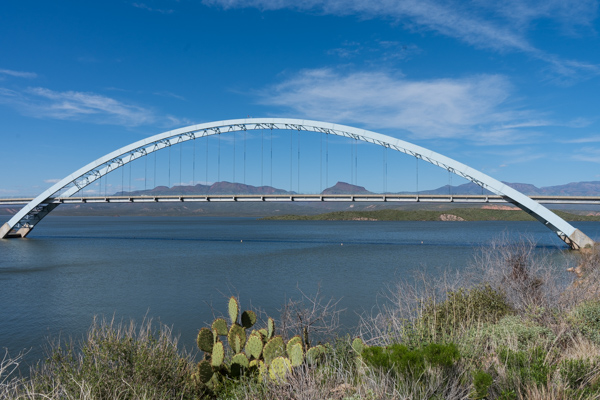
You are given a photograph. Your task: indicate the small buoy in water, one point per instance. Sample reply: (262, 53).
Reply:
(342, 244)
(421, 242)
(241, 241)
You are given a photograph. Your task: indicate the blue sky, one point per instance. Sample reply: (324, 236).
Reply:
(508, 87)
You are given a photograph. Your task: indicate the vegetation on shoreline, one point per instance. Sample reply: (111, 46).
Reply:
(466, 214)
(509, 327)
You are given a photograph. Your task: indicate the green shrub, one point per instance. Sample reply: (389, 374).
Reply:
(463, 309)
(398, 359)
(510, 332)
(118, 361)
(581, 377)
(481, 383)
(526, 366)
(586, 319)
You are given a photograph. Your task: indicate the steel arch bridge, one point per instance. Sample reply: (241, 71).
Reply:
(31, 214)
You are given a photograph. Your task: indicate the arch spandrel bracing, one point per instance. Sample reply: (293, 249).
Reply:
(25, 220)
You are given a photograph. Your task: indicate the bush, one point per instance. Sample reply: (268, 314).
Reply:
(118, 361)
(510, 332)
(463, 309)
(586, 319)
(398, 359)
(525, 367)
(481, 383)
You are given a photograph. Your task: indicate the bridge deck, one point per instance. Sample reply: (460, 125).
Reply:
(309, 197)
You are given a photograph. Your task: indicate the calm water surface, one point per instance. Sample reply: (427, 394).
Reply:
(173, 269)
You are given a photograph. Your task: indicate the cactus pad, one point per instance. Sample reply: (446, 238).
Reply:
(236, 338)
(248, 319)
(358, 345)
(220, 326)
(314, 354)
(296, 355)
(263, 332)
(239, 363)
(279, 368)
(295, 340)
(204, 371)
(270, 328)
(205, 340)
(254, 346)
(273, 349)
(233, 309)
(218, 355)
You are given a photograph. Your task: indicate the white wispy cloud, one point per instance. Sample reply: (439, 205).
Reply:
(51, 180)
(18, 74)
(144, 6)
(588, 154)
(496, 25)
(472, 107)
(90, 107)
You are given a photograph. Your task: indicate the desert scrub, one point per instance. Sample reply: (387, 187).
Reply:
(510, 332)
(462, 309)
(118, 361)
(585, 318)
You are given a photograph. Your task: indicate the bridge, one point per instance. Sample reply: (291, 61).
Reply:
(21, 224)
(368, 198)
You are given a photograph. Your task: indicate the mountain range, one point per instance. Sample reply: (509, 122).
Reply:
(226, 188)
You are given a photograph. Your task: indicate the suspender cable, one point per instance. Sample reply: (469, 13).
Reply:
(145, 172)
(417, 180)
(219, 160)
(154, 179)
(122, 179)
(321, 165)
(449, 183)
(326, 160)
(298, 133)
(262, 153)
(206, 158)
(180, 161)
(130, 176)
(244, 156)
(291, 158)
(351, 162)
(234, 156)
(194, 163)
(169, 185)
(355, 161)
(271, 168)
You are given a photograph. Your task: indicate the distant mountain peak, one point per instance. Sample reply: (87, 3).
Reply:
(345, 188)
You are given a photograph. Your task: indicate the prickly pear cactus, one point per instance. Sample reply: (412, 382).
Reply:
(239, 363)
(291, 342)
(248, 319)
(218, 355)
(279, 368)
(270, 328)
(233, 309)
(273, 349)
(296, 355)
(205, 340)
(204, 371)
(236, 338)
(219, 325)
(315, 354)
(254, 346)
(358, 345)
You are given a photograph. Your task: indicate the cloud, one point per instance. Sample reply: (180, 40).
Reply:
(588, 154)
(51, 180)
(496, 25)
(148, 8)
(472, 107)
(90, 107)
(18, 74)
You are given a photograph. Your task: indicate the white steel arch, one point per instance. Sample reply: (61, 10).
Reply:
(25, 220)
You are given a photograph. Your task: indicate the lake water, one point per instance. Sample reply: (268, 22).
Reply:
(175, 269)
